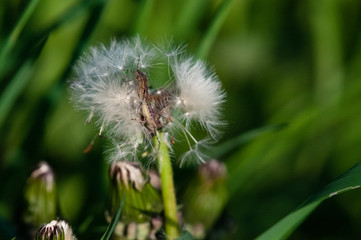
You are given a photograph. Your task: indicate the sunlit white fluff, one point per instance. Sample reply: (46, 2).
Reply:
(55, 230)
(105, 86)
(68, 232)
(102, 61)
(200, 94)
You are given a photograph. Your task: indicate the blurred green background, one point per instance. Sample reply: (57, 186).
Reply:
(296, 63)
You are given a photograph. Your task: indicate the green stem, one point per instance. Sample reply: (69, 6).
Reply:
(168, 193)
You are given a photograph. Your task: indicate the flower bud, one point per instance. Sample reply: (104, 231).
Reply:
(40, 197)
(55, 230)
(131, 184)
(205, 197)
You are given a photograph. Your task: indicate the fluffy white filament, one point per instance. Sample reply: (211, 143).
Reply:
(56, 228)
(200, 94)
(105, 85)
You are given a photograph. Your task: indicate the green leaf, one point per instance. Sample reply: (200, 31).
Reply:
(348, 181)
(73, 12)
(185, 236)
(108, 233)
(81, 8)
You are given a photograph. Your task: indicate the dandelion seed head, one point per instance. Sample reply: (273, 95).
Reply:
(112, 83)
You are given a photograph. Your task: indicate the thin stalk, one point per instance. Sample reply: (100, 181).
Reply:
(168, 193)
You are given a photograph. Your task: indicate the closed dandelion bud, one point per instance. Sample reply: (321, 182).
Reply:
(55, 230)
(205, 197)
(130, 184)
(40, 197)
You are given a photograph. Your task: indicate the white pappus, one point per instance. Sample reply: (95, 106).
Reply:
(113, 85)
(56, 229)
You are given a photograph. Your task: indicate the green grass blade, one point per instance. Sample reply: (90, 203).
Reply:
(288, 224)
(14, 89)
(95, 13)
(215, 26)
(281, 230)
(73, 12)
(108, 233)
(14, 35)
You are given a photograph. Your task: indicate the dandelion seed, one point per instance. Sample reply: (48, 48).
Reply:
(113, 85)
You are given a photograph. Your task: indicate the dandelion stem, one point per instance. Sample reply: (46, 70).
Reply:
(168, 193)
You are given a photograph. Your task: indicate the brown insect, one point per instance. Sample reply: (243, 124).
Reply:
(142, 82)
(148, 114)
(155, 107)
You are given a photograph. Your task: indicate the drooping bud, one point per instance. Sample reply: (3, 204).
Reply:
(127, 174)
(129, 183)
(205, 197)
(40, 197)
(55, 230)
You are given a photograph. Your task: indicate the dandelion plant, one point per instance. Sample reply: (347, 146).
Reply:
(113, 84)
